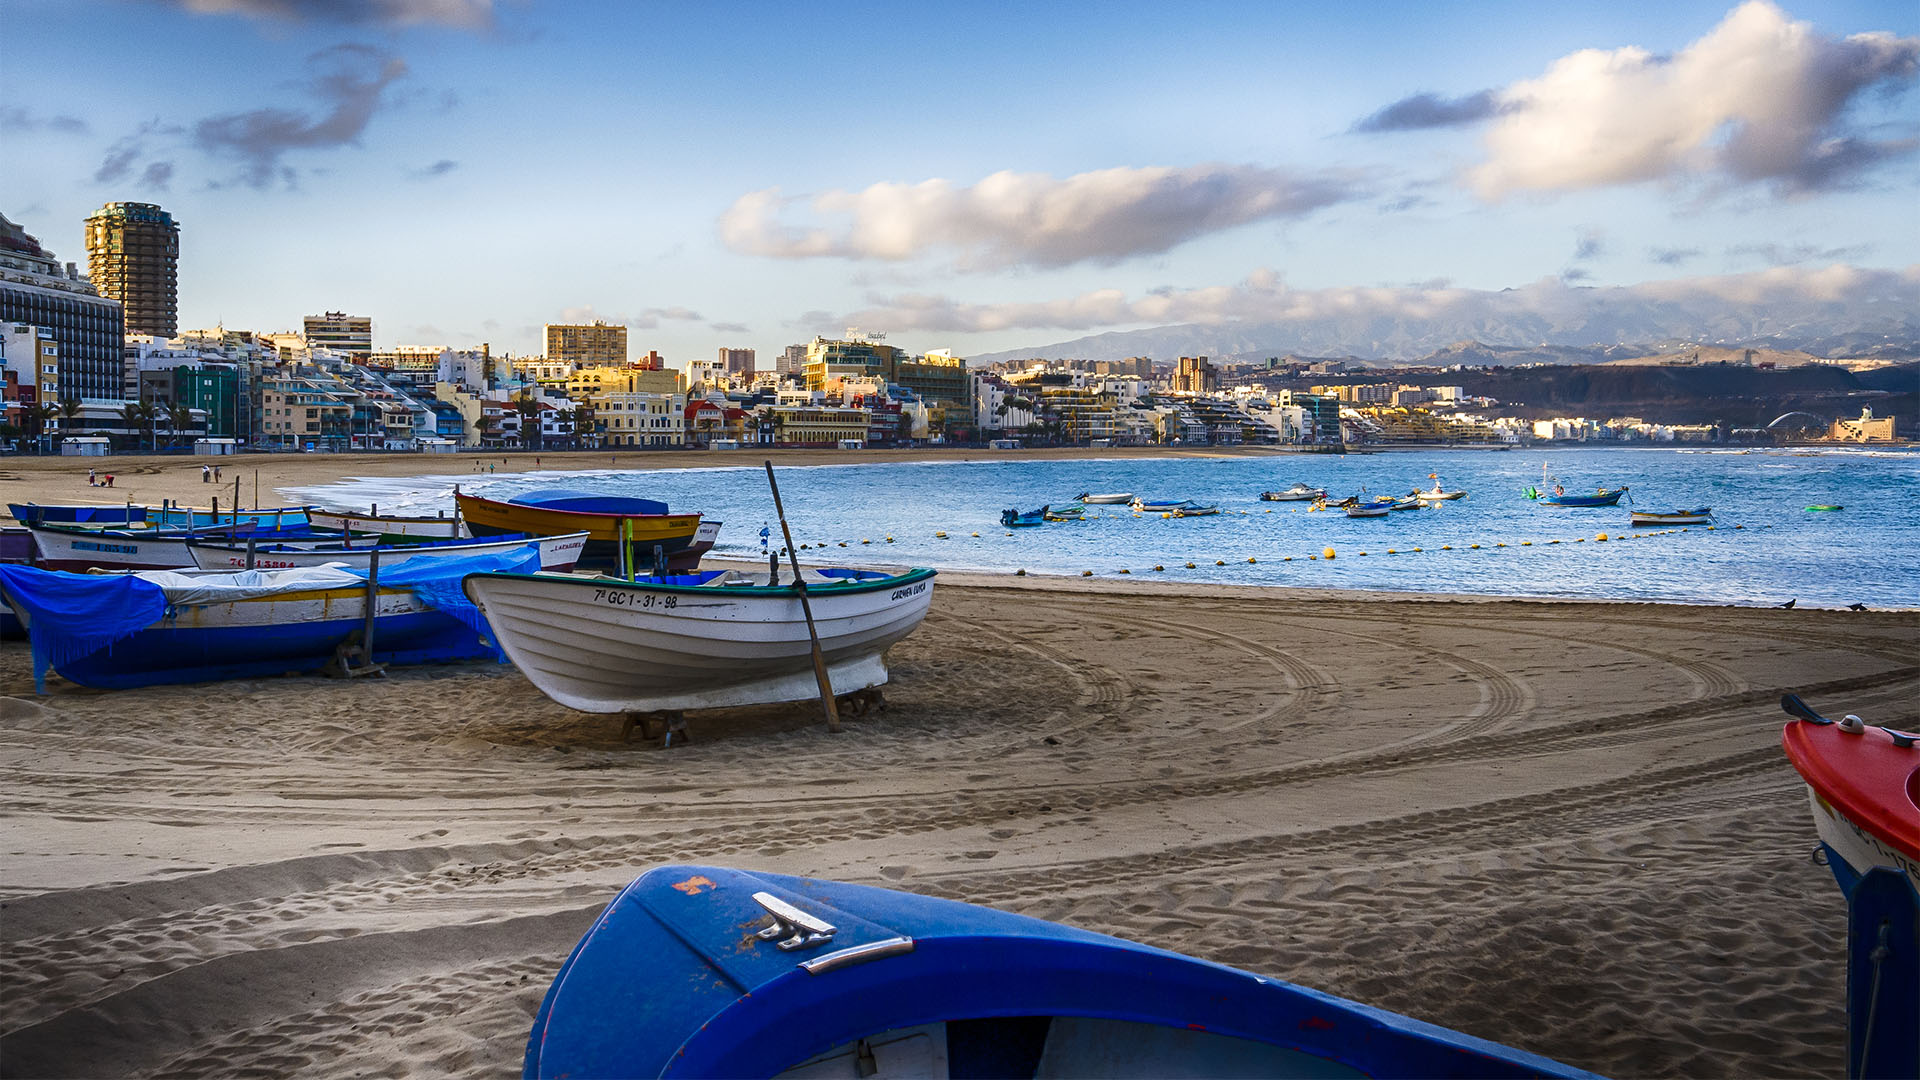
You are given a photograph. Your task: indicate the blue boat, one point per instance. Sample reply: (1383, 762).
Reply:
(1014, 519)
(115, 631)
(708, 971)
(194, 517)
(1605, 497)
(35, 513)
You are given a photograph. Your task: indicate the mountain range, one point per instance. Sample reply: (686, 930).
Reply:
(1837, 313)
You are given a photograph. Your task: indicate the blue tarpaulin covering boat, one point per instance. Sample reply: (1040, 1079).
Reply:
(114, 631)
(708, 971)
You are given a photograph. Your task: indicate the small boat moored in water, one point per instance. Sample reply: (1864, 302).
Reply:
(1159, 506)
(1552, 493)
(1701, 516)
(1191, 510)
(711, 971)
(712, 639)
(1824, 509)
(1110, 498)
(1367, 510)
(1074, 512)
(1300, 492)
(1015, 519)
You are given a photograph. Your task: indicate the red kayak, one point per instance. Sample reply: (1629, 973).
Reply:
(1865, 785)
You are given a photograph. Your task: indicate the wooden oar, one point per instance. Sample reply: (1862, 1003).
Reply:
(800, 586)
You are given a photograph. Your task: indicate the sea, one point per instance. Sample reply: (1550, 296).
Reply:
(1765, 547)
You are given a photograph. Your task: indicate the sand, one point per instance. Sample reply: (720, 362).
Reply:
(1566, 827)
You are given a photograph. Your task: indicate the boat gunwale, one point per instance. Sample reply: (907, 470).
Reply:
(850, 588)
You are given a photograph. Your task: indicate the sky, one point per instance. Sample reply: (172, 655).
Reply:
(969, 176)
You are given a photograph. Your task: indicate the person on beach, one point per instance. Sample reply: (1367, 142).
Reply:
(92, 481)
(109, 479)
(216, 473)
(206, 475)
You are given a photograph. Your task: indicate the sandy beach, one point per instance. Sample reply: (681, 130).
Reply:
(1564, 826)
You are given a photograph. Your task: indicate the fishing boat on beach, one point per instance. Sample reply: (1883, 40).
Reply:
(1700, 516)
(1862, 782)
(711, 639)
(1108, 499)
(1300, 492)
(646, 525)
(391, 529)
(80, 548)
(113, 631)
(30, 513)
(559, 553)
(712, 971)
(1015, 519)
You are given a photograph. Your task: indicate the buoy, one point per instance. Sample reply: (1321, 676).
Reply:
(1602, 538)
(1326, 553)
(843, 543)
(1288, 558)
(1362, 553)
(866, 541)
(1189, 566)
(940, 536)
(1123, 570)
(1086, 573)
(1157, 567)
(1523, 543)
(1418, 550)
(889, 539)
(1166, 515)
(1475, 547)
(976, 534)
(1019, 573)
(1709, 528)
(1446, 547)
(1739, 526)
(1219, 562)
(1252, 559)
(1393, 551)
(1553, 541)
(803, 547)
(1579, 539)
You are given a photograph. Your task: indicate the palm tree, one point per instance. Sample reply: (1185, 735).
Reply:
(69, 408)
(529, 411)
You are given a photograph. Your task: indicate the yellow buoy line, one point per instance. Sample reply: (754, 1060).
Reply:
(1329, 553)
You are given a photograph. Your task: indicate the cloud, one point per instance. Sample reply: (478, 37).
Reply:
(1432, 111)
(1265, 298)
(648, 319)
(347, 79)
(1013, 218)
(438, 168)
(1592, 243)
(159, 174)
(1575, 273)
(1794, 254)
(461, 14)
(16, 118)
(727, 327)
(1673, 256)
(1757, 99)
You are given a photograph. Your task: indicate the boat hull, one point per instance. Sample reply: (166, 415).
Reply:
(673, 980)
(556, 553)
(682, 538)
(80, 550)
(1292, 496)
(1109, 499)
(1440, 496)
(1686, 517)
(1368, 511)
(1574, 502)
(603, 645)
(183, 517)
(266, 636)
(390, 530)
(1862, 787)
(114, 514)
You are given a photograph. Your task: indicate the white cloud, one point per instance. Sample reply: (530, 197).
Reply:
(1265, 298)
(1759, 98)
(1012, 218)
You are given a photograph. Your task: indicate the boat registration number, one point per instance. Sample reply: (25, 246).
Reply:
(910, 590)
(622, 598)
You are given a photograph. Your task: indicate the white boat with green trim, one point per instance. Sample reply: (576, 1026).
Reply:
(712, 639)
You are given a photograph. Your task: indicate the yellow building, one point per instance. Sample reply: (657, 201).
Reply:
(606, 378)
(818, 425)
(624, 418)
(587, 345)
(419, 358)
(939, 377)
(1869, 428)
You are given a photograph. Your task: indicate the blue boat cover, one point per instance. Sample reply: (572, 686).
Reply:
(437, 583)
(74, 615)
(588, 502)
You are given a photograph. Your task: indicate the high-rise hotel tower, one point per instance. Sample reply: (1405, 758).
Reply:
(133, 256)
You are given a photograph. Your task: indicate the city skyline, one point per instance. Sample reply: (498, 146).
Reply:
(462, 171)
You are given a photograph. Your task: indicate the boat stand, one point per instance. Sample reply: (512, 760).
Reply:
(352, 660)
(672, 727)
(863, 702)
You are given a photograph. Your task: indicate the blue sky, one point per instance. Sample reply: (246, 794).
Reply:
(966, 176)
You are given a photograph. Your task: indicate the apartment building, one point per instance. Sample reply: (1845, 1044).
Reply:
(586, 344)
(349, 335)
(133, 256)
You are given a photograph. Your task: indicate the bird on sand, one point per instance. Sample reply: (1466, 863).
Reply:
(1856, 607)
(1789, 603)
